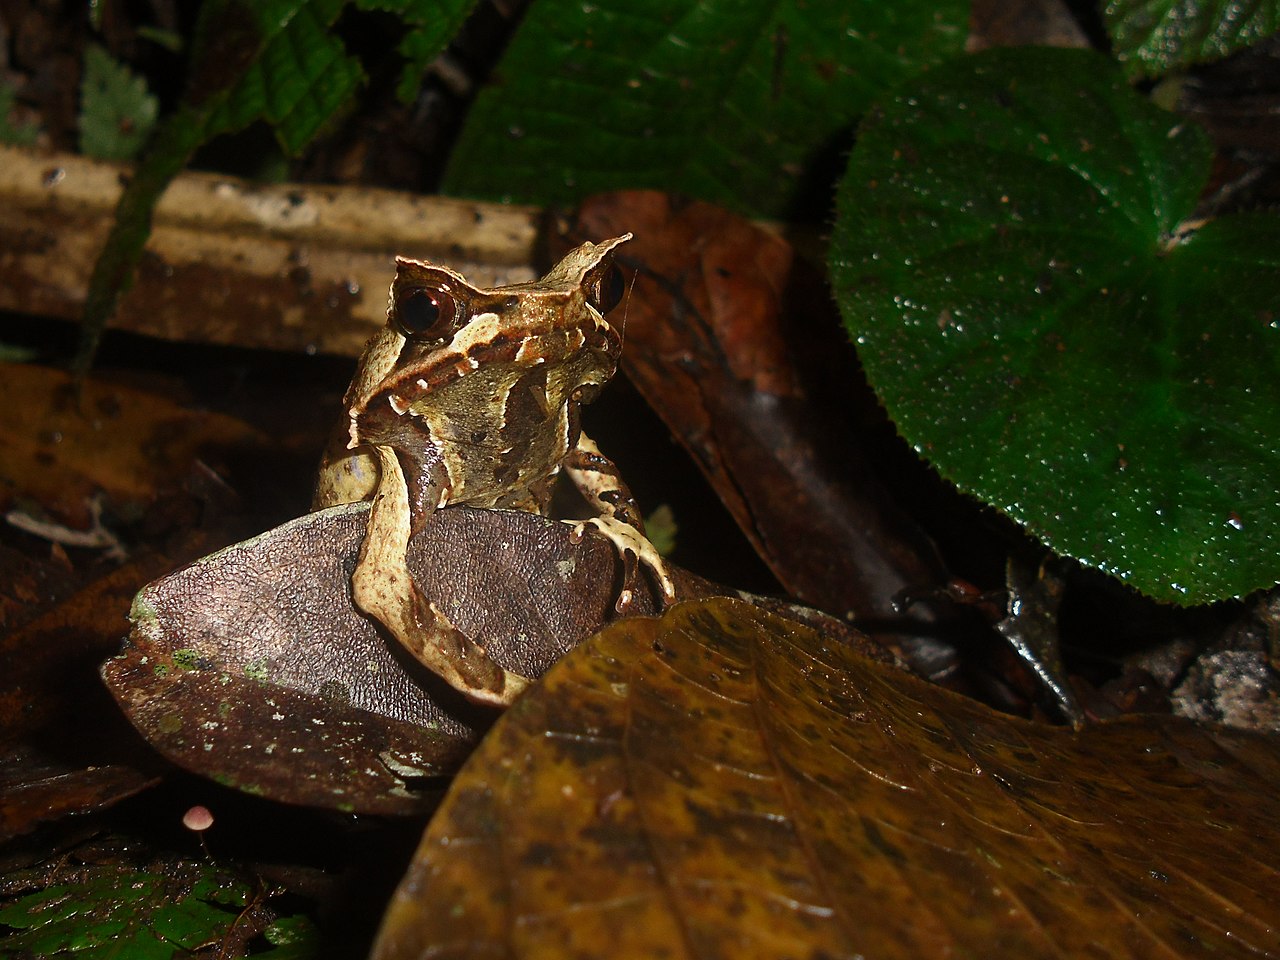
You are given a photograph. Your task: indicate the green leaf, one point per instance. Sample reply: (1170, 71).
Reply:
(170, 40)
(17, 134)
(432, 24)
(304, 76)
(1012, 259)
(301, 79)
(272, 61)
(291, 937)
(116, 110)
(1154, 37)
(112, 913)
(728, 100)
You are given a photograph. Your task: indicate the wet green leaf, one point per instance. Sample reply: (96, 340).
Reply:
(728, 100)
(1156, 37)
(1014, 259)
(292, 938)
(111, 913)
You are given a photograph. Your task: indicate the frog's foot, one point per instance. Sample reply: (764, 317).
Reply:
(631, 545)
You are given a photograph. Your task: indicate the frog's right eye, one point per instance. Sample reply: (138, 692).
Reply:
(427, 314)
(605, 288)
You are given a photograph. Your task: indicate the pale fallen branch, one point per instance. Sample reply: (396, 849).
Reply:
(285, 266)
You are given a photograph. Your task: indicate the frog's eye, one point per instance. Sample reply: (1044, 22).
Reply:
(605, 288)
(427, 313)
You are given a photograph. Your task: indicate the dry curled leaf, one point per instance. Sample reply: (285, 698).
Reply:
(722, 782)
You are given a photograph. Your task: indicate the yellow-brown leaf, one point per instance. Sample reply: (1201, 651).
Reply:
(722, 782)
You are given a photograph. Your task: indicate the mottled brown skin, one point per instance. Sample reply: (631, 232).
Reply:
(472, 396)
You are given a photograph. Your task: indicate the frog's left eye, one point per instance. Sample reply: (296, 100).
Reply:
(427, 313)
(605, 288)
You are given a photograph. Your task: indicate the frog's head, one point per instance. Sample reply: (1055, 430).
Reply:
(441, 328)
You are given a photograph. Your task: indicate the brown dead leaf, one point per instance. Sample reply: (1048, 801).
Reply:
(32, 793)
(63, 746)
(1044, 23)
(724, 783)
(253, 667)
(110, 439)
(28, 584)
(50, 665)
(717, 316)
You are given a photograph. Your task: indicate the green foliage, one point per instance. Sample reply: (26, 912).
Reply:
(297, 79)
(1013, 257)
(140, 915)
(1155, 37)
(274, 61)
(292, 938)
(732, 101)
(432, 23)
(662, 529)
(117, 112)
(169, 39)
(300, 76)
(18, 135)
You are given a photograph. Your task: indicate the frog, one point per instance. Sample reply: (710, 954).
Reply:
(472, 395)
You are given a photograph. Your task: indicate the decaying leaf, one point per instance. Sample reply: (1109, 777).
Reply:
(252, 665)
(34, 792)
(1042, 23)
(120, 441)
(64, 748)
(721, 782)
